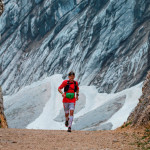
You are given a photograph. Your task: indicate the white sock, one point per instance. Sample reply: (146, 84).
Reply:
(70, 120)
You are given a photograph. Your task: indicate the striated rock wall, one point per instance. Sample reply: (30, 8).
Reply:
(105, 41)
(141, 114)
(3, 122)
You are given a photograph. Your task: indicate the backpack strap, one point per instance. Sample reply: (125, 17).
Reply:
(75, 85)
(66, 88)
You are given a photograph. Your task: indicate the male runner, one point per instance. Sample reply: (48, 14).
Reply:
(69, 98)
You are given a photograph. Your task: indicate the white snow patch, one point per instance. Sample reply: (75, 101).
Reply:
(132, 96)
(93, 100)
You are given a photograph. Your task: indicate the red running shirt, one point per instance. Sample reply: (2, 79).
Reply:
(70, 90)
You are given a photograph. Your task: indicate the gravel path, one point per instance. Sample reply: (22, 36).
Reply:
(24, 139)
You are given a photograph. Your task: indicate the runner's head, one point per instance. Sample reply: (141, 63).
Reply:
(71, 75)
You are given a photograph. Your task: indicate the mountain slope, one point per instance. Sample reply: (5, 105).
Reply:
(105, 41)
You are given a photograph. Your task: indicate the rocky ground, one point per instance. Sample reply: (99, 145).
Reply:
(140, 116)
(120, 139)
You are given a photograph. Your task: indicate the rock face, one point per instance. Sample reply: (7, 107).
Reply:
(3, 122)
(141, 114)
(1, 7)
(105, 42)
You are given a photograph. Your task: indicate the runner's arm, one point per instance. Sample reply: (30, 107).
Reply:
(60, 91)
(61, 87)
(77, 92)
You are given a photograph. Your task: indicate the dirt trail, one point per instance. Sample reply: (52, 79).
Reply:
(23, 139)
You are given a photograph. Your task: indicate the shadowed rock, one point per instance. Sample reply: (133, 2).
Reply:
(141, 114)
(1, 7)
(3, 122)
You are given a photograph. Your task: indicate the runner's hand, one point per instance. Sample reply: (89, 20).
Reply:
(77, 98)
(63, 95)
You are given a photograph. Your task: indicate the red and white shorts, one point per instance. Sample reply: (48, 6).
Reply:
(68, 106)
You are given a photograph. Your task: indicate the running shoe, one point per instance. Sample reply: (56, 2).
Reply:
(69, 129)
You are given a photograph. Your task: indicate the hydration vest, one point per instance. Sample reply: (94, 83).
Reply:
(66, 88)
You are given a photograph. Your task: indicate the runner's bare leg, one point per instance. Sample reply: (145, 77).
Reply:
(67, 116)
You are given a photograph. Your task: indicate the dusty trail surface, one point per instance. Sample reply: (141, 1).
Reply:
(24, 139)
